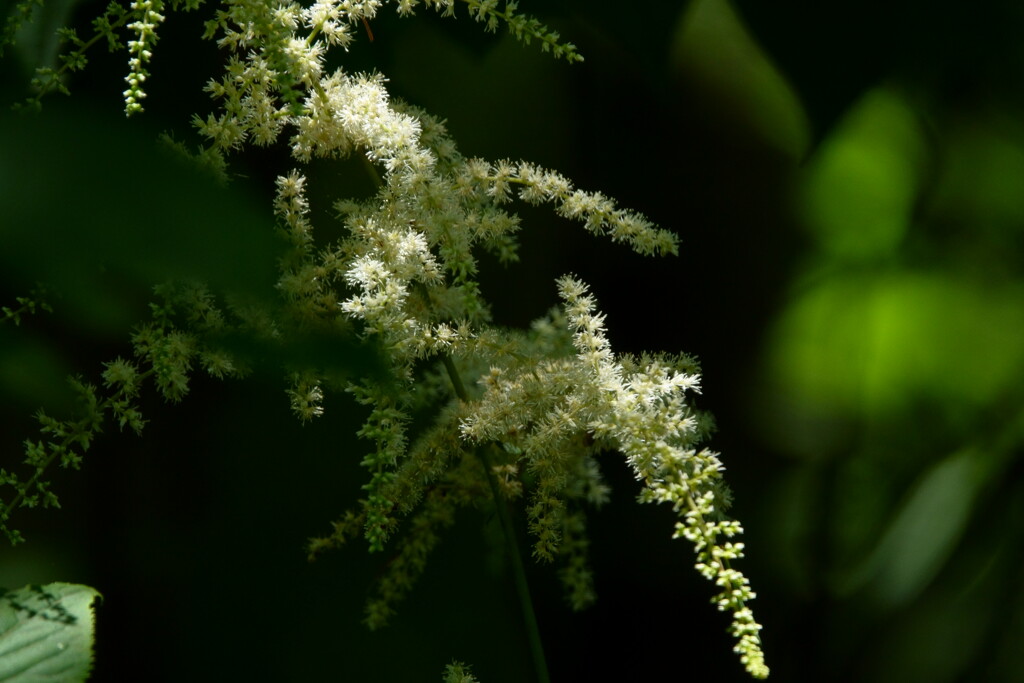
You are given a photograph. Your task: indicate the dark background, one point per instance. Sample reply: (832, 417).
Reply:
(848, 186)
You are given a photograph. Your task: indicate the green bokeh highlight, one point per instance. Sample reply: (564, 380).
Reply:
(869, 345)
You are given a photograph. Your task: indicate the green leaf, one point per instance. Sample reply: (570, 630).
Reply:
(924, 532)
(863, 182)
(978, 186)
(713, 47)
(46, 633)
(873, 346)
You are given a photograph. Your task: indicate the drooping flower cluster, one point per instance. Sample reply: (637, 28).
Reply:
(637, 407)
(645, 416)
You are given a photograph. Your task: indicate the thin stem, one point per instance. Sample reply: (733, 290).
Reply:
(511, 546)
(518, 571)
(54, 75)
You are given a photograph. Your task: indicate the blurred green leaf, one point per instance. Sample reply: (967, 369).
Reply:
(96, 210)
(864, 179)
(860, 346)
(337, 355)
(713, 45)
(924, 532)
(978, 199)
(32, 372)
(984, 176)
(508, 88)
(936, 640)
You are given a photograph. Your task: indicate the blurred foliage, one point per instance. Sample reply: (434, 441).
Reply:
(714, 47)
(148, 217)
(891, 378)
(848, 181)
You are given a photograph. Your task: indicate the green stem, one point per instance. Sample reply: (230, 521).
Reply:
(511, 546)
(518, 571)
(54, 76)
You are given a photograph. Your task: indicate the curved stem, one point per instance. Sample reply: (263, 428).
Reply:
(511, 546)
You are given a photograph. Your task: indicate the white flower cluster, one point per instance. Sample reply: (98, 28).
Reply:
(332, 19)
(382, 279)
(347, 113)
(405, 275)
